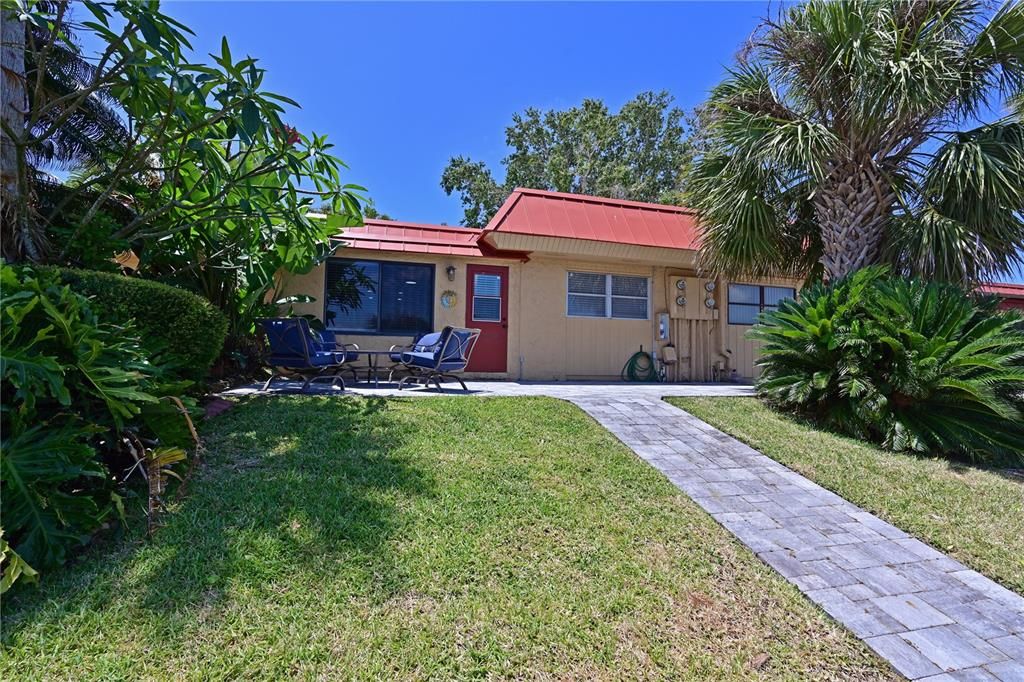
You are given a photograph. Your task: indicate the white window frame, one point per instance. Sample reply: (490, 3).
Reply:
(607, 295)
(472, 303)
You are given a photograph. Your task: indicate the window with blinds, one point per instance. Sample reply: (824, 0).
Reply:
(379, 297)
(622, 297)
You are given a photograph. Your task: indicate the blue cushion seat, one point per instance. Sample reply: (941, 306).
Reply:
(429, 361)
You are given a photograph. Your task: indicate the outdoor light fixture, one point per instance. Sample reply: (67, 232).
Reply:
(451, 273)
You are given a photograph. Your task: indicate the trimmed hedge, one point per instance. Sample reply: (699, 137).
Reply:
(186, 327)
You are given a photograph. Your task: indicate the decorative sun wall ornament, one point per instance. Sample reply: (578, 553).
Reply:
(448, 299)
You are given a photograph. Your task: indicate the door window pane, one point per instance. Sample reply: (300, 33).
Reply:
(486, 297)
(486, 309)
(485, 284)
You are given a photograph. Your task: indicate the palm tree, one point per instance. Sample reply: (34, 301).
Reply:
(43, 64)
(86, 134)
(854, 132)
(12, 114)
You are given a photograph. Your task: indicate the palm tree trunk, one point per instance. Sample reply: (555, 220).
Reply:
(852, 207)
(16, 233)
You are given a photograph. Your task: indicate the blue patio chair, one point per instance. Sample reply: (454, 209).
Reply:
(296, 349)
(448, 356)
(423, 343)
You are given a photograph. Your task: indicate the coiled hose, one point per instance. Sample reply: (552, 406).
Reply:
(639, 367)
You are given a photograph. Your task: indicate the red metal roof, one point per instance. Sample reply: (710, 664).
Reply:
(577, 216)
(1004, 289)
(393, 235)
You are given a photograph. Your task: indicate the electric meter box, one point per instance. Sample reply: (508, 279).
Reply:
(692, 298)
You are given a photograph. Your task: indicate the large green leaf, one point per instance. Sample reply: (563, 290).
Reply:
(171, 422)
(40, 507)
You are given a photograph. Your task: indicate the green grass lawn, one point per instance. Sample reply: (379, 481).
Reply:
(974, 514)
(433, 538)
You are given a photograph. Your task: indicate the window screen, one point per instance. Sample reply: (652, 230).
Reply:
(379, 297)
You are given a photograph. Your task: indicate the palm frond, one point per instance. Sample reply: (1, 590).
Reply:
(853, 101)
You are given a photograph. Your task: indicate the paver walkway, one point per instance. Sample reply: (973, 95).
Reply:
(930, 616)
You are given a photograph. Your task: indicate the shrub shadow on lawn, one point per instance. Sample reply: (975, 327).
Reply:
(299, 485)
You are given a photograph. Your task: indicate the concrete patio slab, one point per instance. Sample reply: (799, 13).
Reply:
(566, 390)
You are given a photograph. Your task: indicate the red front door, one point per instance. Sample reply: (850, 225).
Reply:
(487, 310)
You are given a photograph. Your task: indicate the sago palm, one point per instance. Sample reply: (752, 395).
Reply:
(913, 365)
(865, 131)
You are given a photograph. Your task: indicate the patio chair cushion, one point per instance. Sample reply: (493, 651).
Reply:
(455, 350)
(429, 361)
(423, 344)
(426, 343)
(291, 337)
(326, 342)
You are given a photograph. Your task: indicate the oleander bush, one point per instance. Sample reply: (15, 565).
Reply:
(182, 330)
(912, 365)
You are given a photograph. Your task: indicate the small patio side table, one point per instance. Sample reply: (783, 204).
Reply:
(372, 364)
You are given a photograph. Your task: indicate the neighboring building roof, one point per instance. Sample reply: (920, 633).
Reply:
(393, 235)
(1005, 290)
(577, 216)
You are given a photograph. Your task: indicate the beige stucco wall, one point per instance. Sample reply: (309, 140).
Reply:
(559, 347)
(544, 343)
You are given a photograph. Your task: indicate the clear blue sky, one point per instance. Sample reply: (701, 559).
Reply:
(401, 87)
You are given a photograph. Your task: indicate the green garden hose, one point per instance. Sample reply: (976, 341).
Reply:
(640, 367)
